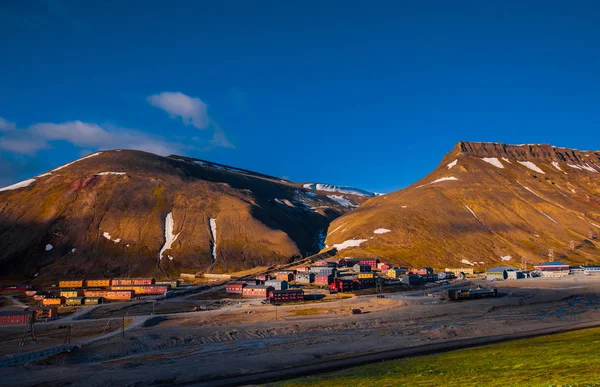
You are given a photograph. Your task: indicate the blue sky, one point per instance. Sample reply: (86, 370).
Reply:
(369, 94)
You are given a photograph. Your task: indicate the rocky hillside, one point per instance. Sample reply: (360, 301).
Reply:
(485, 204)
(131, 213)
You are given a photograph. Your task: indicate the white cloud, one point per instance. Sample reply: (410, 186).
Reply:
(5, 126)
(191, 110)
(82, 134)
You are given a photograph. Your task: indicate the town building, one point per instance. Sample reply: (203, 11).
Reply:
(172, 283)
(114, 295)
(499, 272)
(235, 287)
(458, 270)
(552, 266)
(73, 301)
(277, 284)
(263, 277)
(97, 283)
(71, 293)
(141, 290)
(383, 266)
(44, 313)
(362, 268)
(53, 301)
(343, 285)
(284, 276)
(70, 284)
(12, 317)
(369, 275)
(369, 261)
(412, 279)
(289, 295)
(93, 300)
(132, 281)
(395, 273)
(256, 291)
(421, 271)
(323, 279)
(305, 278)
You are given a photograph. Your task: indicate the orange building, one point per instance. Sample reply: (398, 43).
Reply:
(53, 301)
(117, 295)
(144, 289)
(70, 284)
(132, 281)
(97, 283)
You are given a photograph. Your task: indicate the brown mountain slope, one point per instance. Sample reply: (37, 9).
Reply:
(485, 204)
(115, 212)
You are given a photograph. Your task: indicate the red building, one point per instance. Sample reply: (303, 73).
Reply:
(256, 291)
(15, 317)
(235, 287)
(343, 285)
(323, 279)
(552, 266)
(369, 261)
(290, 295)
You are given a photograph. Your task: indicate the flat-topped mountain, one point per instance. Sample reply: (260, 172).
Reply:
(485, 204)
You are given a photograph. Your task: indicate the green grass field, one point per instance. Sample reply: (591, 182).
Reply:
(566, 359)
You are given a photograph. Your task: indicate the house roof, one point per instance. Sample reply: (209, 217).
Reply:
(553, 263)
(501, 268)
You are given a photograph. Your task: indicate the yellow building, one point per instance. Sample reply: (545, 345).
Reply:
(395, 273)
(70, 284)
(458, 270)
(366, 275)
(53, 301)
(97, 283)
(71, 293)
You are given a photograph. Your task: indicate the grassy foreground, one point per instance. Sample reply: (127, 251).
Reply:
(566, 359)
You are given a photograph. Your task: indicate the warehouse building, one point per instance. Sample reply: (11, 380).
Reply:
(553, 269)
(499, 272)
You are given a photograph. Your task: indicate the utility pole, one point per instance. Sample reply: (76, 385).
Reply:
(123, 325)
(68, 335)
(31, 330)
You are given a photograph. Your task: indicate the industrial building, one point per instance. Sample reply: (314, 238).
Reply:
(499, 272)
(552, 266)
(93, 300)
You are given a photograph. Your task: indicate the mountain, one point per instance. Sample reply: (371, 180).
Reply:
(485, 204)
(132, 213)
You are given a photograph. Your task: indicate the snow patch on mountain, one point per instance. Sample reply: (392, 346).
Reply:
(22, 184)
(73, 162)
(338, 188)
(505, 159)
(169, 237)
(381, 231)
(349, 243)
(49, 247)
(439, 180)
(107, 236)
(450, 165)
(506, 258)
(547, 216)
(110, 173)
(213, 231)
(494, 161)
(341, 200)
(531, 166)
(556, 165)
(467, 262)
